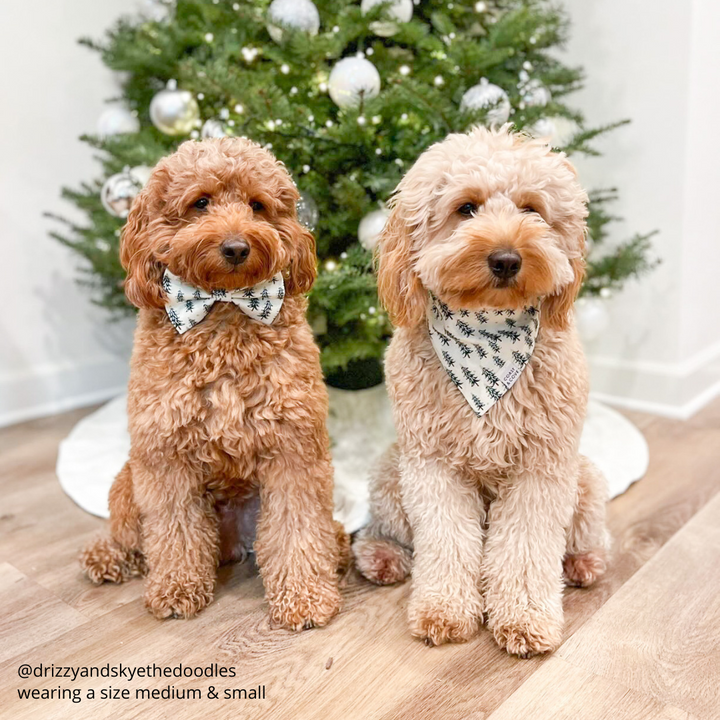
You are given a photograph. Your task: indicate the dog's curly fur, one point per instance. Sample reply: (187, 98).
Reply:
(229, 409)
(486, 512)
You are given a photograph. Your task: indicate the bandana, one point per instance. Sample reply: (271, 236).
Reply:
(483, 352)
(188, 305)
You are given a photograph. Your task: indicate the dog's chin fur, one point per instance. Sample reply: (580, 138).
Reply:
(486, 509)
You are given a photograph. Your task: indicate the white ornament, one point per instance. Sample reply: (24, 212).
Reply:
(141, 174)
(307, 212)
(156, 10)
(370, 228)
(398, 10)
(535, 94)
(353, 80)
(117, 121)
(486, 95)
(119, 191)
(174, 111)
(292, 15)
(592, 317)
(212, 129)
(559, 130)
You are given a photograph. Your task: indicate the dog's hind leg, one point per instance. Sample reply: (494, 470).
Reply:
(588, 540)
(383, 549)
(117, 556)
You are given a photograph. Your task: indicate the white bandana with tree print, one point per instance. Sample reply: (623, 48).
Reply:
(483, 352)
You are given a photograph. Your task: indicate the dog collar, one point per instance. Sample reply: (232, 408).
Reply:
(188, 305)
(483, 352)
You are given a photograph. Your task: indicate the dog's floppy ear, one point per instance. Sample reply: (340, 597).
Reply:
(556, 308)
(144, 273)
(399, 286)
(303, 264)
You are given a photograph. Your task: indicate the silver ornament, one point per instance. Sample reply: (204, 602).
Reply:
(370, 228)
(117, 121)
(486, 95)
(307, 212)
(535, 94)
(292, 14)
(398, 10)
(353, 80)
(174, 111)
(119, 191)
(212, 129)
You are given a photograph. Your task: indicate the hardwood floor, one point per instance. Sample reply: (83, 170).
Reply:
(641, 644)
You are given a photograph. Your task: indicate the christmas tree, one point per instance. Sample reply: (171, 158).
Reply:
(347, 94)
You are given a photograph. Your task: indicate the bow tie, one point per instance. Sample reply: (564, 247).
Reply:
(188, 305)
(483, 352)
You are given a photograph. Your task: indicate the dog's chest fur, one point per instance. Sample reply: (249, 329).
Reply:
(226, 392)
(538, 419)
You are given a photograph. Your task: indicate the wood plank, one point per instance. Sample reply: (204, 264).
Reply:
(377, 671)
(30, 614)
(561, 691)
(658, 634)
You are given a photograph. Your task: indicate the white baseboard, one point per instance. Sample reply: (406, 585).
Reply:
(52, 389)
(672, 390)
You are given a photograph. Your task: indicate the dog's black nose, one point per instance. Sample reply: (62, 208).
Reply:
(504, 264)
(235, 251)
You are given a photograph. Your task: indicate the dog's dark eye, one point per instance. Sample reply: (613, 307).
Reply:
(201, 203)
(468, 209)
(529, 209)
(257, 206)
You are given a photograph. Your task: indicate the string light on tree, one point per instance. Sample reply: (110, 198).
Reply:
(174, 111)
(117, 121)
(352, 81)
(299, 15)
(487, 96)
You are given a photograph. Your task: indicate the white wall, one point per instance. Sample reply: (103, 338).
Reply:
(56, 349)
(655, 61)
(658, 63)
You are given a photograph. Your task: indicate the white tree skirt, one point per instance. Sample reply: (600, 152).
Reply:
(360, 427)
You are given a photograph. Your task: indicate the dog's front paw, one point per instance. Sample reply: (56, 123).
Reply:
(440, 622)
(532, 635)
(104, 560)
(305, 604)
(178, 595)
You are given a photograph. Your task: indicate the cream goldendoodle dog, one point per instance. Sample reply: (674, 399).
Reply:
(485, 497)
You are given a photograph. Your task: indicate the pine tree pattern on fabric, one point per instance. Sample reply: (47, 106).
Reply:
(262, 302)
(483, 352)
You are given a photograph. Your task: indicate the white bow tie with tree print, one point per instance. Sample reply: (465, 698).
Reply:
(188, 305)
(483, 352)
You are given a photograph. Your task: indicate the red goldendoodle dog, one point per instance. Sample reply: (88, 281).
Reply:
(226, 398)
